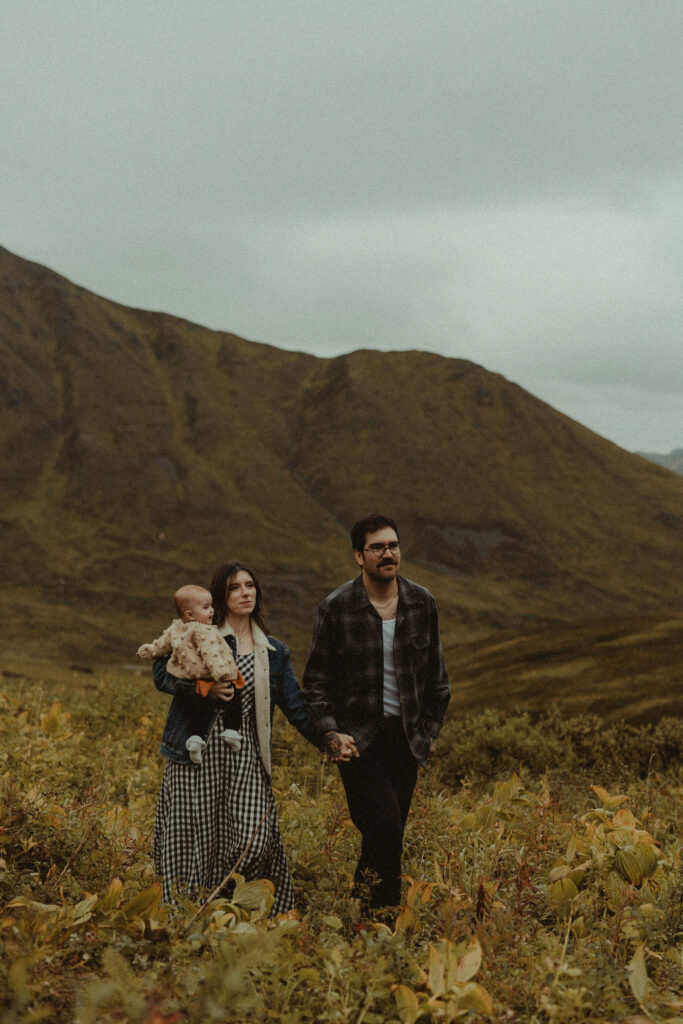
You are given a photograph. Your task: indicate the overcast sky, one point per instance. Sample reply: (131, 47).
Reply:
(494, 180)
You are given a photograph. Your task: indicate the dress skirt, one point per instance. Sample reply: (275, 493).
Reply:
(207, 814)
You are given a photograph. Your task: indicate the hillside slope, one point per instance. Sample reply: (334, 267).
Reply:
(139, 450)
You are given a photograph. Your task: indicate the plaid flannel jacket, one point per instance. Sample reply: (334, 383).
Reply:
(343, 680)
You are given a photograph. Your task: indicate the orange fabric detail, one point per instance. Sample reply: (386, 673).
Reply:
(203, 686)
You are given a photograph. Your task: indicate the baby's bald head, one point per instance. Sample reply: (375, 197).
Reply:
(194, 604)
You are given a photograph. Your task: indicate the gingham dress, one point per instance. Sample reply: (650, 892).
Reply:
(207, 814)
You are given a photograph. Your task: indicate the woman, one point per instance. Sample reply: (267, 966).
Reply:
(207, 813)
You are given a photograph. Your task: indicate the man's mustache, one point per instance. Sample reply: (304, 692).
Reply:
(388, 561)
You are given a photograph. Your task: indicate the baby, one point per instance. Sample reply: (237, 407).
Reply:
(199, 652)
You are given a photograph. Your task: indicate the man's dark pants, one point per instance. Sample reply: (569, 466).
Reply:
(379, 787)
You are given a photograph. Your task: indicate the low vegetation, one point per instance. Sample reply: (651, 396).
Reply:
(543, 877)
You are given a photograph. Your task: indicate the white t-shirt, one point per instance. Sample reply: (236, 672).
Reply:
(392, 705)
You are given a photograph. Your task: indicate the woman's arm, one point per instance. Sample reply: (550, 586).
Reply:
(290, 699)
(168, 683)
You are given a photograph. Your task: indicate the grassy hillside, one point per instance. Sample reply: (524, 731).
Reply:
(521, 903)
(629, 669)
(139, 451)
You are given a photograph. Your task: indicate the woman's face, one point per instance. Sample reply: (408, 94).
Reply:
(240, 594)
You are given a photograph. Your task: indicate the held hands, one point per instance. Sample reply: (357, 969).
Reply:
(340, 747)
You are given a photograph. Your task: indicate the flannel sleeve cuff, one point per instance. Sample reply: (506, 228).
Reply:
(327, 724)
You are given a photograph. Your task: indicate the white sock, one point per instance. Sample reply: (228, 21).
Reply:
(232, 738)
(195, 747)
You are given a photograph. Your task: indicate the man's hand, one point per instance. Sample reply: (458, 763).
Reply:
(222, 691)
(432, 746)
(340, 747)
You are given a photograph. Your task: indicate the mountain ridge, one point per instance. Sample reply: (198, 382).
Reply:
(673, 460)
(139, 450)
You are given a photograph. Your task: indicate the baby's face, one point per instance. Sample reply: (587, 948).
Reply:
(199, 608)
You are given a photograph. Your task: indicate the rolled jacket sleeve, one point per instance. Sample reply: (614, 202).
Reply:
(167, 683)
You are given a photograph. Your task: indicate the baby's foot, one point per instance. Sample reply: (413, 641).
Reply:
(195, 747)
(232, 738)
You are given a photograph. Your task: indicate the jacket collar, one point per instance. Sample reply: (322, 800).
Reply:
(260, 638)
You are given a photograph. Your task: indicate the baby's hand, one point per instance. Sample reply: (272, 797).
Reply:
(145, 651)
(222, 691)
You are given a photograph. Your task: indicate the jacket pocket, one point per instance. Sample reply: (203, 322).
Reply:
(419, 652)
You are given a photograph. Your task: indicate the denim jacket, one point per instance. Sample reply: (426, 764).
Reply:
(190, 714)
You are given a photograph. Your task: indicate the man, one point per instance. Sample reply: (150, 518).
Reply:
(377, 690)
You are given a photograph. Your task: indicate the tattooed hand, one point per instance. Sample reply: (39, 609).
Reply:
(340, 747)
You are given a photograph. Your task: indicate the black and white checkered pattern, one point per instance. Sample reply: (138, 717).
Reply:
(207, 813)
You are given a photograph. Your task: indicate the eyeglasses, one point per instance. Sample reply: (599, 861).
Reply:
(378, 549)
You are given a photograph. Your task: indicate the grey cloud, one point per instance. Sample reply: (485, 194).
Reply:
(498, 180)
(354, 106)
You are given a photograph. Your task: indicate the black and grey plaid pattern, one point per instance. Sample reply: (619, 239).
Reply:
(207, 814)
(343, 680)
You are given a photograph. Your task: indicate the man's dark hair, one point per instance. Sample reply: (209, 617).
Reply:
(219, 596)
(370, 524)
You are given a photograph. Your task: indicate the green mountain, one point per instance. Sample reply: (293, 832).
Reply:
(139, 451)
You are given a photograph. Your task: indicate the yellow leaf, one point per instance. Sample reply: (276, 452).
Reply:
(144, 903)
(624, 818)
(436, 972)
(222, 919)
(470, 962)
(84, 907)
(567, 871)
(476, 997)
(646, 855)
(615, 801)
(637, 973)
(602, 794)
(607, 801)
(251, 895)
(111, 896)
(406, 919)
(620, 837)
(407, 1004)
(418, 890)
(561, 871)
(562, 892)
